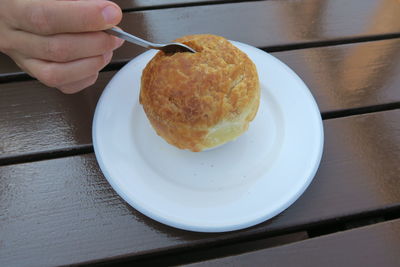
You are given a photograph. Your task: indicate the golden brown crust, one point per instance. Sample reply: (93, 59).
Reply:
(185, 95)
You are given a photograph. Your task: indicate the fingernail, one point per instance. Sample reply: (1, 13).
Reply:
(118, 42)
(110, 14)
(107, 57)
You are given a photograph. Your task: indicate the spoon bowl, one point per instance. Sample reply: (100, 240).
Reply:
(167, 48)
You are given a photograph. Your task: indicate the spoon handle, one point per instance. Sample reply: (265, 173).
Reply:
(129, 37)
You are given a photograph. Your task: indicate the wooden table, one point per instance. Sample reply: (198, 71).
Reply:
(56, 207)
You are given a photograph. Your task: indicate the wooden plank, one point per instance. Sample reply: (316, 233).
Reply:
(376, 245)
(213, 252)
(267, 23)
(38, 119)
(65, 208)
(349, 76)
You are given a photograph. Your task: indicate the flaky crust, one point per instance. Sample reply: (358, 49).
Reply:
(200, 100)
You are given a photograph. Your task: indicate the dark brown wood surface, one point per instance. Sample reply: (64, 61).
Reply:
(36, 119)
(57, 208)
(376, 245)
(349, 76)
(65, 207)
(267, 24)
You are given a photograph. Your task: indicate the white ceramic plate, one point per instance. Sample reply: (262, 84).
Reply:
(235, 186)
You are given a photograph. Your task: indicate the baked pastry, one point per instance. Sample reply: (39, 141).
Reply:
(200, 100)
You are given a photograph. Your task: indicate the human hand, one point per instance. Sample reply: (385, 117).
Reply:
(60, 42)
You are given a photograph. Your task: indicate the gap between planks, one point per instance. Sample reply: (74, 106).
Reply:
(88, 148)
(252, 243)
(190, 4)
(116, 65)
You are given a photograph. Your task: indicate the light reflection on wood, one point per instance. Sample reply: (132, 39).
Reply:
(378, 156)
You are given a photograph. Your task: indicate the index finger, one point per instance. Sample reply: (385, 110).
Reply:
(47, 17)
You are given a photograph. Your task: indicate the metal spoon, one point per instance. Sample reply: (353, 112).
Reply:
(167, 48)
